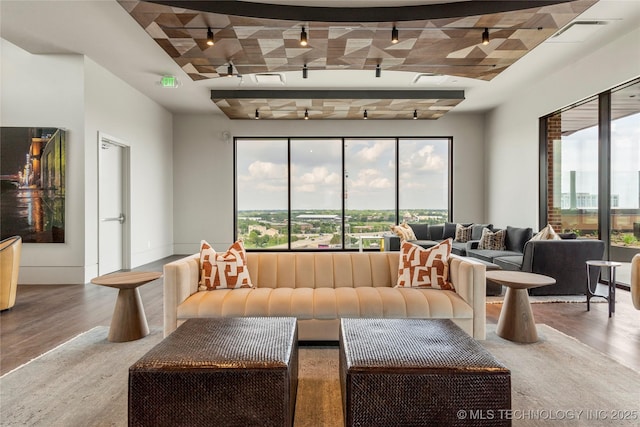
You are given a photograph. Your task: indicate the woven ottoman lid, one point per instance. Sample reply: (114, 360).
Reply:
(410, 344)
(242, 342)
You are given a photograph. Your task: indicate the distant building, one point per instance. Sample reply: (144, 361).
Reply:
(585, 201)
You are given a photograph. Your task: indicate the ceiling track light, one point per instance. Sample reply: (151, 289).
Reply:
(257, 114)
(485, 36)
(305, 71)
(230, 70)
(303, 37)
(378, 70)
(365, 116)
(415, 114)
(394, 35)
(306, 114)
(210, 40)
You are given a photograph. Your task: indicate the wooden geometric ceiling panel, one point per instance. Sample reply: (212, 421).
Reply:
(448, 46)
(295, 104)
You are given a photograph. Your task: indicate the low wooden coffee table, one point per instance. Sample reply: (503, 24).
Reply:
(516, 318)
(128, 322)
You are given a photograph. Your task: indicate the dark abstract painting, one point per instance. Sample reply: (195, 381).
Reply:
(32, 178)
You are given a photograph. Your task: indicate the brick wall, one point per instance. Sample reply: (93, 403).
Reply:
(554, 133)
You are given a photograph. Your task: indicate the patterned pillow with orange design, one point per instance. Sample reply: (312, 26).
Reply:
(225, 270)
(425, 268)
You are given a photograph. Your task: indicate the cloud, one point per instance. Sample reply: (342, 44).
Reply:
(267, 170)
(319, 175)
(425, 160)
(370, 178)
(372, 153)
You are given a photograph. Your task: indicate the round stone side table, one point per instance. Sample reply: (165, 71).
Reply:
(129, 322)
(516, 321)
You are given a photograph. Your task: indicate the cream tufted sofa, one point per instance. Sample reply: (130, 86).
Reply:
(318, 288)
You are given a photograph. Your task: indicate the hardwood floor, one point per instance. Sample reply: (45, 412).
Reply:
(46, 316)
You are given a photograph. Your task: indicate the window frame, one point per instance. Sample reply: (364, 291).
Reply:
(397, 139)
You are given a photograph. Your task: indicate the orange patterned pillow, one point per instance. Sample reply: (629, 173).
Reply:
(223, 271)
(425, 268)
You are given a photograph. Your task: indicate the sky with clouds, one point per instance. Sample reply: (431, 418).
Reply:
(316, 174)
(580, 154)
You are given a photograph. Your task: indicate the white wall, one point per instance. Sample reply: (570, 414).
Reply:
(512, 129)
(116, 109)
(203, 166)
(75, 93)
(48, 91)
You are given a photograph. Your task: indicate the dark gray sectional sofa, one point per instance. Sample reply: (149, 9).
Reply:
(428, 235)
(564, 260)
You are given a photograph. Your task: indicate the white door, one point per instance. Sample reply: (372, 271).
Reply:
(111, 212)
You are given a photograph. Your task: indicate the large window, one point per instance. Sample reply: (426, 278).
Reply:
(590, 175)
(337, 193)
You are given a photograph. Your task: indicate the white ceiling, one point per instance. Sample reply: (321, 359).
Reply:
(106, 33)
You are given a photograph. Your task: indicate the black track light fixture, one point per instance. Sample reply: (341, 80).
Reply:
(303, 37)
(485, 36)
(394, 35)
(378, 70)
(210, 40)
(415, 114)
(230, 70)
(365, 116)
(305, 71)
(306, 114)
(257, 114)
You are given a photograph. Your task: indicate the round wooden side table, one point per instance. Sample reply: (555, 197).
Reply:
(516, 321)
(129, 322)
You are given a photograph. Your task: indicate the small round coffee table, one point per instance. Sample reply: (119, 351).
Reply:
(128, 322)
(516, 321)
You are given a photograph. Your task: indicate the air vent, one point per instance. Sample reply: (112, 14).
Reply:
(577, 31)
(269, 79)
(430, 79)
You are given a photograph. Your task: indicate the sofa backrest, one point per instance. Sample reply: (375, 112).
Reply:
(516, 238)
(323, 269)
(565, 261)
(434, 231)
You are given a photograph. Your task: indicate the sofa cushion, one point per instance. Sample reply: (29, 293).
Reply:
(476, 230)
(493, 241)
(463, 234)
(547, 233)
(436, 232)
(223, 271)
(449, 231)
(459, 248)
(420, 268)
(404, 231)
(489, 255)
(516, 238)
(327, 303)
(421, 231)
(512, 263)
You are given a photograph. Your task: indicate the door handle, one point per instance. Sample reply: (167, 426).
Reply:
(120, 219)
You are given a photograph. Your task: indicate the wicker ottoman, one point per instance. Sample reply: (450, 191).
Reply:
(419, 372)
(218, 372)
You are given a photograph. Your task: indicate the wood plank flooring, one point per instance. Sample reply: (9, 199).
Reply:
(46, 316)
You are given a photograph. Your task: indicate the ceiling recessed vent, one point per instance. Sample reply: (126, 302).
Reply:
(577, 31)
(430, 79)
(269, 79)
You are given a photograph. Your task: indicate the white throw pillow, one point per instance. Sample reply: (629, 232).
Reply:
(547, 233)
